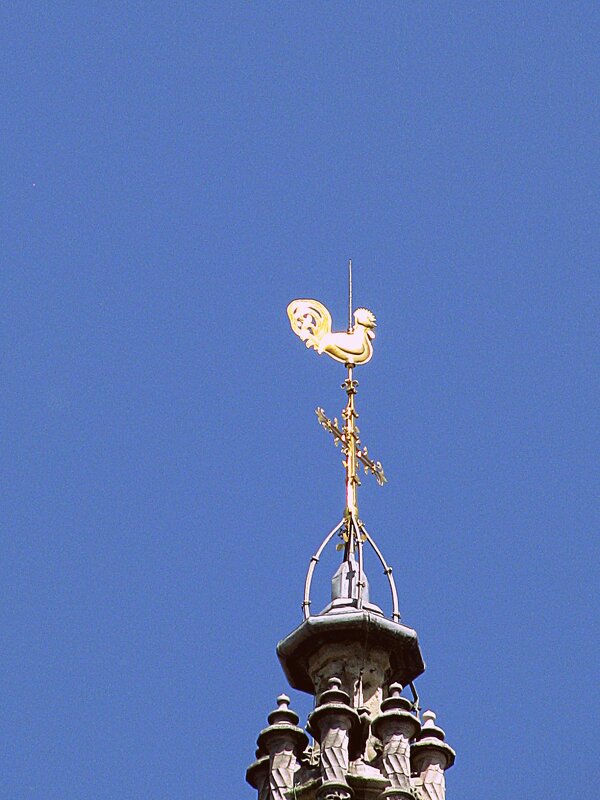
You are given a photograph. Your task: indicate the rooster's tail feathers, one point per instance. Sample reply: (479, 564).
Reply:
(310, 320)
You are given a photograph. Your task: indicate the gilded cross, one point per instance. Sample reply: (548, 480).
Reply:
(354, 452)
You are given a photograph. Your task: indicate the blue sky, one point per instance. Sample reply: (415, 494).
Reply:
(171, 177)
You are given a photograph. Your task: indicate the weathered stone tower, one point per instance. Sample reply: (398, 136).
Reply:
(369, 742)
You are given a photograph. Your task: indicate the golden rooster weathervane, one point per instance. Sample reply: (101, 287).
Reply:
(312, 323)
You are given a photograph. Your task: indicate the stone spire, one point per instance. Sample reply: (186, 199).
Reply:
(368, 740)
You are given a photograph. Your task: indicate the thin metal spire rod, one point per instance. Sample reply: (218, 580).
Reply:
(350, 309)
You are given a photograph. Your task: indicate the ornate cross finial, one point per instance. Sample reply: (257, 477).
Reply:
(312, 323)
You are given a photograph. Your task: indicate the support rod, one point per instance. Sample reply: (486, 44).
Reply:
(311, 568)
(387, 571)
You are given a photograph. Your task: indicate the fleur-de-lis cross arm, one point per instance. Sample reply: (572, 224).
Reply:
(332, 426)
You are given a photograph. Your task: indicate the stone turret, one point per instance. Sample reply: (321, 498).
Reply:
(396, 726)
(336, 727)
(369, 743)
(285, 743)
(430, 758)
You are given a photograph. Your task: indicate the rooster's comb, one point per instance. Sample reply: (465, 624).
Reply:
(364, 314)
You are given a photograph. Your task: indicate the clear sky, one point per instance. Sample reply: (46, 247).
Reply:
(172, 175)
